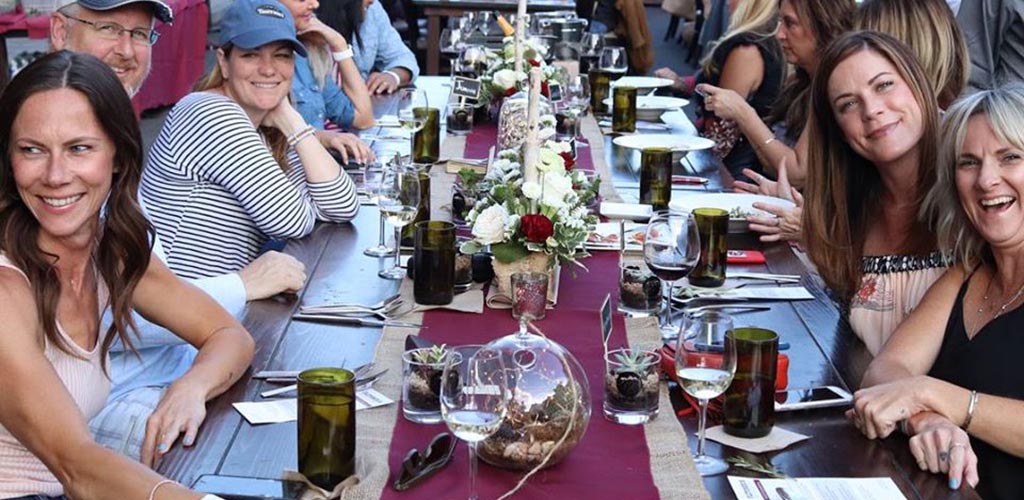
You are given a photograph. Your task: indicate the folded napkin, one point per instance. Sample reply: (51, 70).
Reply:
(777, 439)
(730, 291)
(388, 121)
(314, 492)
(470, 301)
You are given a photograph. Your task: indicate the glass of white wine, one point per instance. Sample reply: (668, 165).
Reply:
(412, 103)
(474, 398)
(705, 365)
(373, 174)
(671, 251)
(398, 199)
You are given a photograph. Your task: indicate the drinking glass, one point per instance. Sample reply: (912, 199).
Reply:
(613, 60)
(485, 20)
(452, 41)
(577, 98)
(409, 101)
(705, 365)
(529, 297)
(399, 202)
(671, 249)
(373, 174)
(327, 425)
(474, 399)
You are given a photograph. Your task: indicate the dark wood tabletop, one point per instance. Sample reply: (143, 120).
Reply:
(823, 352)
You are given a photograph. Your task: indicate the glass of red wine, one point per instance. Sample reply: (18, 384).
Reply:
(671, 250)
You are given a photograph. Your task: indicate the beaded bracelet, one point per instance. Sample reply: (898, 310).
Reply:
(300, 135)
(971, 405)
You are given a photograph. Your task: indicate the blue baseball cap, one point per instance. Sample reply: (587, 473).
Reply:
(160, 10)
(254, 23)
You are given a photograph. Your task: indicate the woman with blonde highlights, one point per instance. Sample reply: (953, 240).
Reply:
(930, 30)
(947, 373)
(871, 159)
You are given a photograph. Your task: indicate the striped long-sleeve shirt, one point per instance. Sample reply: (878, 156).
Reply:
(216, 195)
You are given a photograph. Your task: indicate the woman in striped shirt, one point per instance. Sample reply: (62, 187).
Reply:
(235, 164)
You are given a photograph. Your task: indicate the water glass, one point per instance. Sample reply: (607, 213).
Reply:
(426, 142)
(656, 177)
(327, 425)
(459, 118)
(705, 364)
(421, 383)
(631, 384)
(750, 400)
(713, 225)
(434, 263)
(624, 111)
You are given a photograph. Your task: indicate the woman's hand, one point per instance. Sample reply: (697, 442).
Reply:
(940, 446)
(677, 83)
(877, 410)
(724, 103)
(349, 145)
(381, 83)
(181, 411)
(272, 273)
(284, 118)
(785, 223)
(333, 38)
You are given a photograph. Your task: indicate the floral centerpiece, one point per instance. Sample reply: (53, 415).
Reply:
(500, 77)
(546, 220)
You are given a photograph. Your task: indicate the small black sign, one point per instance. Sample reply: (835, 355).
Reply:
(466, 87)
(606, 320)
(555, 92)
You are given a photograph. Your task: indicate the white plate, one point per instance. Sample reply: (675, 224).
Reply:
(677, 142)
(629, 211)
(605, 236)
(728, 201)
(651, 103)
(642, 82)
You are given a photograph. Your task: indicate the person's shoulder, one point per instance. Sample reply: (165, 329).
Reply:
(201, 106)
(376, 12)
(16, 296)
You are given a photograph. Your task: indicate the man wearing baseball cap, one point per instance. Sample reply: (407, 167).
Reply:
(118, 32)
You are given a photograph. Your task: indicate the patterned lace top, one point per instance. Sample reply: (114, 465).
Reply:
(891, 287)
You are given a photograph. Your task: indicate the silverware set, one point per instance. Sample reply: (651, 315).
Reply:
(380, 314)
(363, 379)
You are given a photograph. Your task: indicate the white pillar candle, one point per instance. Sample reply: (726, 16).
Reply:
(532, 144)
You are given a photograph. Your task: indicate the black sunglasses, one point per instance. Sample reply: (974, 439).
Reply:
(417, 467)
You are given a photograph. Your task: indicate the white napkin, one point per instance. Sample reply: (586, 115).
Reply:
(286, 410)
(471, 301)
(728, 291)
(777, 439)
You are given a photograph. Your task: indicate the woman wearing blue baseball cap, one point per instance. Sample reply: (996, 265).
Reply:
(235, 164)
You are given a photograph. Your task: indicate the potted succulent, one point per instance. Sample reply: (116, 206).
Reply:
(421, 383)
(631, 385)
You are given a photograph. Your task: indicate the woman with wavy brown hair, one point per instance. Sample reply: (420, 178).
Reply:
(73, 243)
(930, 30)
(871, 159)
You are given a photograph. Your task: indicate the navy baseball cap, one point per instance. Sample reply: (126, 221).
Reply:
(254, 23)
(161, 10)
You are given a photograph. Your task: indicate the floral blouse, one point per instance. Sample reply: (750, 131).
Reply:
(891, 287)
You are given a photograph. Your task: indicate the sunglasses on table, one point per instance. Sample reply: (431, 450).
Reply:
(418, 466)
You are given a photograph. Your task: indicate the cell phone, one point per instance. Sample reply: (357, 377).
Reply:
(249, 488)
(814, 397)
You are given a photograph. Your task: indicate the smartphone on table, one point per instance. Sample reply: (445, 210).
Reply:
(814, 397)
(249, 488)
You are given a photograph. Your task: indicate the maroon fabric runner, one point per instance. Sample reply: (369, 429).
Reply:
(612, 461)
(485, 135)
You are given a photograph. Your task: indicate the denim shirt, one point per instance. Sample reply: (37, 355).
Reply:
(317, 104)
(380, 47)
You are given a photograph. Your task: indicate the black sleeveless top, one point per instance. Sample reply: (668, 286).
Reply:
(990, 363)
(742, 154)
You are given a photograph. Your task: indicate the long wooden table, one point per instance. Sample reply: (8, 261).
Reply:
(823, 351)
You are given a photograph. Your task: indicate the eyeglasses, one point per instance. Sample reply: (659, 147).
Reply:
(417, 467)
(113, 31)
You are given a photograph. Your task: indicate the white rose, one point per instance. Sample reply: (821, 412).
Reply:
(558, 147)
(505, 78)
(556, 187)
(490, 225)
(531, 190)
(549, 161)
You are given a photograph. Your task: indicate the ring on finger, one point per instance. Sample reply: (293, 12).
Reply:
(778, 222)
(943, 456)
(956, 445)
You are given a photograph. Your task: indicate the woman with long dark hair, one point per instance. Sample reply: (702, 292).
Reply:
(380, 54)
(73, 242)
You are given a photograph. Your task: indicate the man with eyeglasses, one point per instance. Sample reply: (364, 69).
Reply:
(118, 32)
(143, 390)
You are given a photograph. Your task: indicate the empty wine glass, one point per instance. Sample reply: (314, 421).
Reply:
(474, 398)
(577, 97)
(399, 201)
(485, 20)
(671, 250)
(373, 174)
(452, 41)
(613, 60)
(705, 365)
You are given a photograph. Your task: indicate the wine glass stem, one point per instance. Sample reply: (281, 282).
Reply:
(398, 246)
(666, 287)
(700, 427)
(381, 232)
(472, 470)
(522, 325)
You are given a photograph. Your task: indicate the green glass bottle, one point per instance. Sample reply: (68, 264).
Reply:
(426, 143)
(434, 263)
(750, 399)
(656, 177)
(600, 83)
(327, 425)
(713, 227)
(624, 109)
(423, 212)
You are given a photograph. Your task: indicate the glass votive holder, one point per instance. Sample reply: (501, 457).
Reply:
(631, 386)
(639, 288)
(463, 270)
(459, 118)
(327, 425)
(421, 383)
(529, 296)
(566, 124)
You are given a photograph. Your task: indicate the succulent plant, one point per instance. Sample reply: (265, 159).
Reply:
(629, 375)
(431, 356)
(631, 361)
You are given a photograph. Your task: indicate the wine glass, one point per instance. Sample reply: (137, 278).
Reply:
(705, 365)
(577, 94)
(474, 398)
(485, 20)
(613, 60)
(671, 250)
(412, 111)
(399, 201)
(452, 41)
(373, 174)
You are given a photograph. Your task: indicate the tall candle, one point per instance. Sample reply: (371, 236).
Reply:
(517, 41)
(531, 146)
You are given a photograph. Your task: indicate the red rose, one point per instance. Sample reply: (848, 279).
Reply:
(569, 160)
(533, 62)
(509, 92)
(536, 227)
(544, 89)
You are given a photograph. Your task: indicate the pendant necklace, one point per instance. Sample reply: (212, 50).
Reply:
(1002, 309)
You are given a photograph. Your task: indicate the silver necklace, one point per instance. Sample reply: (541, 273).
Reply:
(1002, 309)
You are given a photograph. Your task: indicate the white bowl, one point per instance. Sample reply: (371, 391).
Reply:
(743, 202)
